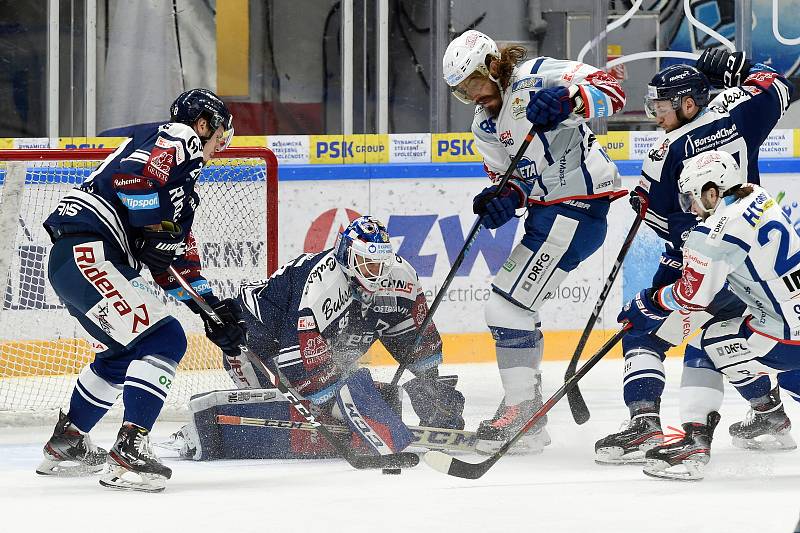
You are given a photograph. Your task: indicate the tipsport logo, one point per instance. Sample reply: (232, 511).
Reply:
(416, 233)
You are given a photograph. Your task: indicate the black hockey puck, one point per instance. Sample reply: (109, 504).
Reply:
(392, 471)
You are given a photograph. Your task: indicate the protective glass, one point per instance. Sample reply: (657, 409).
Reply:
(659, 107)
(469, 89)
(227, 137)
(686, 200)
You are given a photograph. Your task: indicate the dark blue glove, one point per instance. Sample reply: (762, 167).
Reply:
(497, 210)
(669, 268)
(723, 67)
(232, 332)
(549, 107)
(642, 312)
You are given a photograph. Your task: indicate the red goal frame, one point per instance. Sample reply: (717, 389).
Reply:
(99, 154)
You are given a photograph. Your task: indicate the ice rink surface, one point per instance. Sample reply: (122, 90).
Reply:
(559, 490)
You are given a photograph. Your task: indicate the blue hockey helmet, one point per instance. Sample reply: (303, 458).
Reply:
(672, 84)
(364, 252)
(202, 103)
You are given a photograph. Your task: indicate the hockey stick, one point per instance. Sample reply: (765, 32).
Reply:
(468, 242)
(580, 412)
(358, 461)
(452, 466)
(426, 437)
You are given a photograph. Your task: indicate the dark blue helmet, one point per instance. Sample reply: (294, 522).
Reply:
(202, 103)
(675, 82)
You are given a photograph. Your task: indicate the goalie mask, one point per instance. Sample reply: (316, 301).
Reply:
(202, 103)
(703, 171)
(364, 252)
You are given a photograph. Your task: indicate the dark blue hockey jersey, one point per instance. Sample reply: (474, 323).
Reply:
(150, 178)
(315, 326)
(737, 121)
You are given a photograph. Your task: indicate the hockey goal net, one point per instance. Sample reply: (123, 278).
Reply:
(42, 348)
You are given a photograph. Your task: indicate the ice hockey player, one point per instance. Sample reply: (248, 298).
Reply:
(565, 181)
(134, 210)
(318, 314)
(678, 101)
(746, 241)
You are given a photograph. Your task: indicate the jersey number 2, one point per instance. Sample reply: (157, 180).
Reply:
(783, 262)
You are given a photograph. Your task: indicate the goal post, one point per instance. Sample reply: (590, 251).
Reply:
(42, 348)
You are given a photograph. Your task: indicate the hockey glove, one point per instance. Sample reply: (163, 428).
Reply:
(158, 248)
(639, 202)
(232, 333)
(723, 67)
(549, 107)
(643, 313)
(669, 268)
(497, 210)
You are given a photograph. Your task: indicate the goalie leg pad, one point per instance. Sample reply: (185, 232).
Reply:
(369, 416)
(204, 439)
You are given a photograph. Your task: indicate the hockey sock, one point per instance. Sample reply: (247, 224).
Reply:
(147, 384)
(519, 355)
(643, 378)
(91, 399)
(701, 393)
(752, 387)
(790, 382)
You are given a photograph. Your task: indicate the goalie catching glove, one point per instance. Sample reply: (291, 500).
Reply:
(158, 248)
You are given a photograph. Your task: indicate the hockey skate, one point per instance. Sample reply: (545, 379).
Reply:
(70, 452)
(765, 427)
(508, 419)
(685, 459)
(132, 465)
(629, 445)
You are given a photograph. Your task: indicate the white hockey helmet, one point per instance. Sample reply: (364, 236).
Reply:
(466, 55)
(712, 167)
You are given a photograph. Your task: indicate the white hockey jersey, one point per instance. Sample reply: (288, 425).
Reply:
(751, 244)
(563, 164)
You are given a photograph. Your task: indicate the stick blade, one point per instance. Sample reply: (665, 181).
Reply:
(580, 411)
(447, 464)
(395, 460)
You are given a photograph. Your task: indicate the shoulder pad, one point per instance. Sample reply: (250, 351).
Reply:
(186, 135)
(326, 291)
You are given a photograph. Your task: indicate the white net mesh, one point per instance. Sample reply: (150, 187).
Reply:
(42, 348)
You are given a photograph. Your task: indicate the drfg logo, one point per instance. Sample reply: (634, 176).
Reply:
(733, 349)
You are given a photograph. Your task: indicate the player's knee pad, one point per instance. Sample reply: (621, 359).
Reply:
(643, 341)
(503, 312)
(366, 413)
(437, 402)
(153, 374)
(790, 382)
(168, 341)
(643, 377)
(701, 393)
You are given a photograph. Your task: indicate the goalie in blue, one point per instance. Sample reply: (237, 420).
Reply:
(318, 314)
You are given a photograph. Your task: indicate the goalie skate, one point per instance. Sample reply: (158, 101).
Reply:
(132, 465)
(70, 453)
(765, 430)
(628, 446)
(686, 459)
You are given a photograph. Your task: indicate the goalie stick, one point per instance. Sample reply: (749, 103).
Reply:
(580, 412)
(356, 460)
(453, 466)
(425, 437)
(468, 242)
